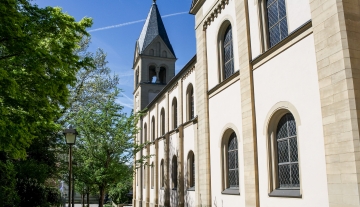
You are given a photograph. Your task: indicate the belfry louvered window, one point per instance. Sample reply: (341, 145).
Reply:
(228, 53)
(277, 22)
(287, 153)
(233, 162)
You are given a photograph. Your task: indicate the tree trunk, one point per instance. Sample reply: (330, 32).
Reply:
(87, 198)
(83, 199)
(102, 196)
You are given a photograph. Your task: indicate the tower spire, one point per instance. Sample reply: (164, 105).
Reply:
(154, 1)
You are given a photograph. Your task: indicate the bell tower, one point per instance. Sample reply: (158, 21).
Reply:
(154, 60)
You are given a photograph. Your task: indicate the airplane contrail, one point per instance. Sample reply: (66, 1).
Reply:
(133, 22)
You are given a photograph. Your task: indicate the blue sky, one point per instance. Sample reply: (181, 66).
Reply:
(121, 27)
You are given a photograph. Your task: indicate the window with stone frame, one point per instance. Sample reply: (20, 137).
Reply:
(190, 102)
(228, 53)
(276, 21)
(174, 113)
(174, 173)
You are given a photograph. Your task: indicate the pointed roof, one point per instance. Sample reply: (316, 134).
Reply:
(153, 27)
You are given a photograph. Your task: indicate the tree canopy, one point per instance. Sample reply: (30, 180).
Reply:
(38, 61)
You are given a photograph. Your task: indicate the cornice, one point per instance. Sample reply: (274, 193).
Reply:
(214, 13)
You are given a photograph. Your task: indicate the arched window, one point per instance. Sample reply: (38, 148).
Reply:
(151, 52)
(190, 102)
(228, 53)
(152, 175)
(152, 74)
(230, 163)
(174, 112)
(287, 153)
(174, 172)
(191, 170)
(277, 22)
(233, 162)
(162, 75)
(137, 77)
(162, 176)
(153, 128)
(162, 116)
(145, 133)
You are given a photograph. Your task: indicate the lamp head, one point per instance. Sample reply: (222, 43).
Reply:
(70, 135)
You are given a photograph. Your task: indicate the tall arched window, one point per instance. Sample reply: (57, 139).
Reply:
(287, 153)
(174, 112)
(162, 125)
(162, 176)
(277, 22)
(190, 102)
(228, 53)
(152, 175)
(145, 133)
(233, 162)
(174, 172)
(191, 170)
(153, 128)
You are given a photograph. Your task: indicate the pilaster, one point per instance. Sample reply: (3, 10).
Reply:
(247, 105)
(203, 193)
(336, 26)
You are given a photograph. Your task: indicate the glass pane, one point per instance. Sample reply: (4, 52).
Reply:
(232, 159)
(293, 150)
(283, 29)
(227, 53)
(232, 142)
(282, 9)
(273, 13)
(283, 151)
(284, 176)
(282, 128)
(234, 178)
(228, 35)
(295, 175)
(274, 35)
(269, 2)
(291, 125)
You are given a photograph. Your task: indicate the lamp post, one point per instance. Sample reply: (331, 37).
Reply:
(70, 136)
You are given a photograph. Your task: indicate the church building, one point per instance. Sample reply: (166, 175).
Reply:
(266, 113)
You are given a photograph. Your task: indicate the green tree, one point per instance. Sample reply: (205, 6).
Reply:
(105, 144)
(38, 61)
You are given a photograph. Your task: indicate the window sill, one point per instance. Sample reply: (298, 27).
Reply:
(231, 191)
(286, 193)
(191, 189)
(224, 84)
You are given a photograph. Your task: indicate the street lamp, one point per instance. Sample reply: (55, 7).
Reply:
(70, 136)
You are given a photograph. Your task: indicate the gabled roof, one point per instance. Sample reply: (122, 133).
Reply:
(153, 27)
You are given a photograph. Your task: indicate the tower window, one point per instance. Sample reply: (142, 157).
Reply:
(162, 176)
(190, 102)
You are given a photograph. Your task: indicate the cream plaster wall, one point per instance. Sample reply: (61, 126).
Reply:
(298, 12)
(212, 35)
(161, 156)
(173, 150)
(295, 81)
(224, 113)
(189, 138)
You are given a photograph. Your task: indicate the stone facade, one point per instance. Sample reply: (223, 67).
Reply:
(310, 73)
